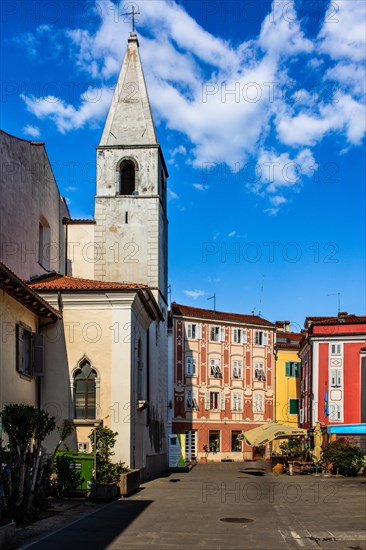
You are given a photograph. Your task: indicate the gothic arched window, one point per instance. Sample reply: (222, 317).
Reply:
(85, 391)
(127, 178)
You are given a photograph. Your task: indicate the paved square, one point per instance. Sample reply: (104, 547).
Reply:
(186, 510)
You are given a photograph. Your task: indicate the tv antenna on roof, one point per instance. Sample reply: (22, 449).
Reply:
(339, 299)
(261, 296)
(214, 299)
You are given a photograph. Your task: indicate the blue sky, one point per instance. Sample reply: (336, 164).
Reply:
(259, 108)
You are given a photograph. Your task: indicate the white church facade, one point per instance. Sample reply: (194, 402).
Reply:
(101, 321)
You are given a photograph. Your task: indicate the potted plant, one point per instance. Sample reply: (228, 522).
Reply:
(291, 447)
(107, 475)
(214, 445)
(206, 451)
(343, 457)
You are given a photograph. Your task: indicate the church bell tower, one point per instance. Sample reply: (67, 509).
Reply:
(131, 233)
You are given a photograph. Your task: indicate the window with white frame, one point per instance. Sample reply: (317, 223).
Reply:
(191, 400)
(301, 419)
(259, 372)
(261, 338)
(215, 401)
(217, 334)
(336, 349)
(335, 412)
(335, 378)
(237, 369)
(215, 370)
(239, 336)
(258, 403)
(193, 331)
(237, 401)
(191, 365)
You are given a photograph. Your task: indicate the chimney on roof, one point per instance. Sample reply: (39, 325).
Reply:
(279, 326)
(287, 326)
(342, 314)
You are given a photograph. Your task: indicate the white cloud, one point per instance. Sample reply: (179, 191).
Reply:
(281, 34)
(271, 211)
(276, 200)
(194, 293)
(71, 188)
(232, 234)
(282, 172)
(92, 109)
(349, 75)
(200, 186)
(345, 115)
(172, 194)
(32, 131)
(342, 35)
(204, 87)
(180, 150)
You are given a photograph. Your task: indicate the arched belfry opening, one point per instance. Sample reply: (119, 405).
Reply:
(127, 178)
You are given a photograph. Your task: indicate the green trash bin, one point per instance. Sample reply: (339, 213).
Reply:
(74, 472)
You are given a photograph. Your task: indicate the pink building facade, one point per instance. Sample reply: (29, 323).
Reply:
(223, 377)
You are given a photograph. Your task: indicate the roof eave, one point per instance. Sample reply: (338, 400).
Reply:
(29, 298)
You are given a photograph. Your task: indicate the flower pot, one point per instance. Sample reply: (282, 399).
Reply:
(203, 458)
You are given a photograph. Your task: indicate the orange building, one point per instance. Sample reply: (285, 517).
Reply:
(223, 378)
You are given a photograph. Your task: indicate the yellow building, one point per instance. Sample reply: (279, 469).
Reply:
(287, 375)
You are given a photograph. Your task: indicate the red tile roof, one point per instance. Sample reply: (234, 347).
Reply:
(289, 335)
(345, 319)
(188, 311)
(63, 282)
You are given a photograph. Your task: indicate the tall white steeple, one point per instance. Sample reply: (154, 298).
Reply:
(129, 119)
(130, 206)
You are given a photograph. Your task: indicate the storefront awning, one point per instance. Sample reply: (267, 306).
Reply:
(348, 429)
(268, 432)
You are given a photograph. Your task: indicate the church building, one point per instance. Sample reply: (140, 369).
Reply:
(104, 347)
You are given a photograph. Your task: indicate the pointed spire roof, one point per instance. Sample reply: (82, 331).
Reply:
(129, 121)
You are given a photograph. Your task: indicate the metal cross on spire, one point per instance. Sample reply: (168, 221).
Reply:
(133, 13)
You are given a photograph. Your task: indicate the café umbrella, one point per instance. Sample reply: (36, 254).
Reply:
(268, 432)
(318, 440)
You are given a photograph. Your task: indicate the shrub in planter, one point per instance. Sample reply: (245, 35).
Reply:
(107, 472)
(291, 447)
(344, 456)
